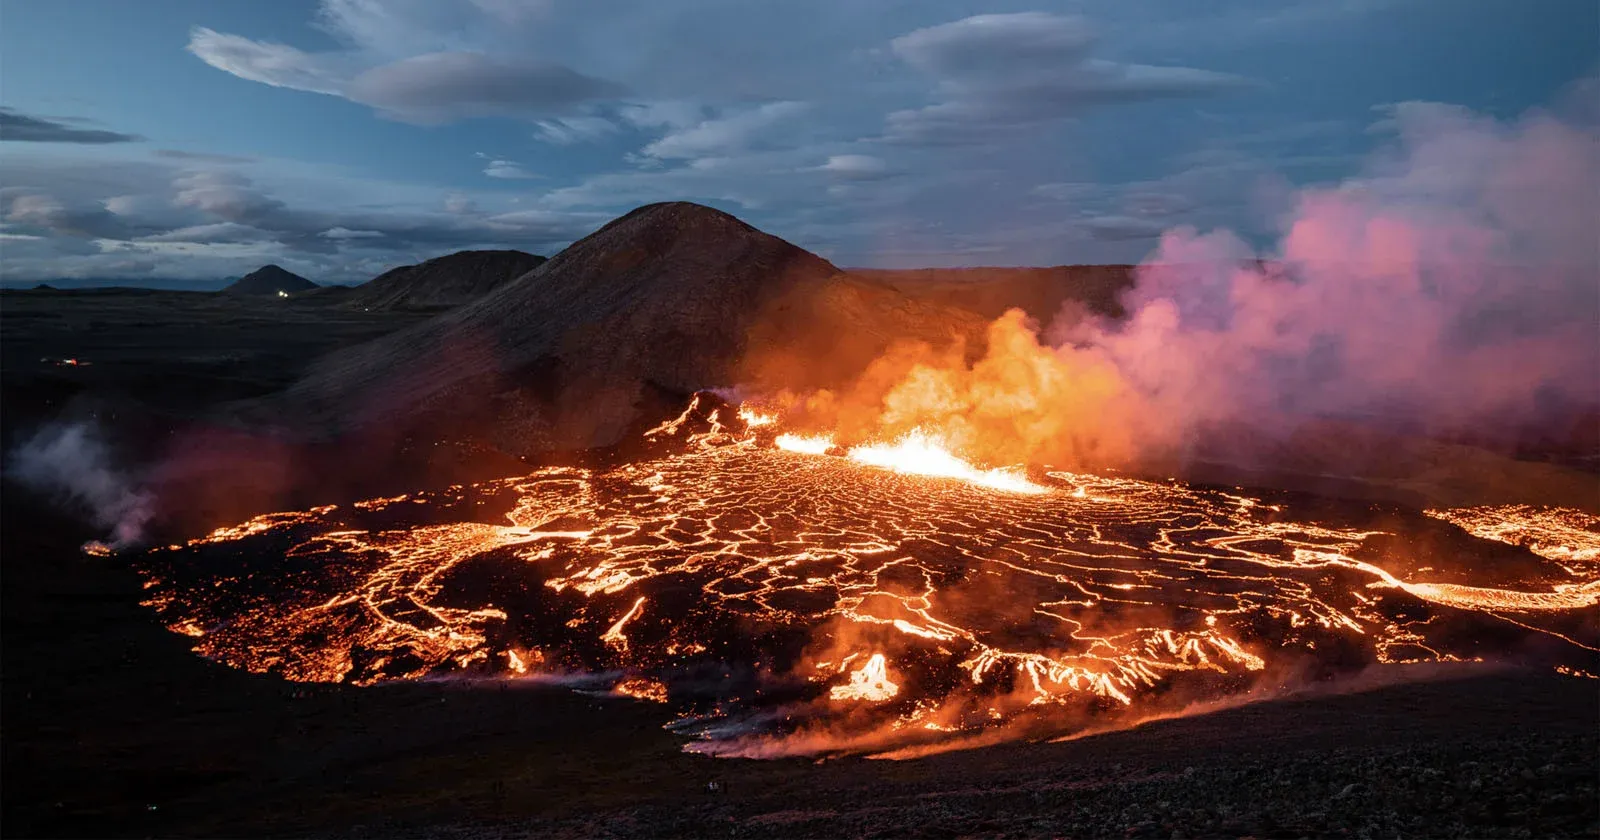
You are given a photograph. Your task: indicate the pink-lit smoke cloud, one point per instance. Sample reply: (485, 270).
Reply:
(1452, 289)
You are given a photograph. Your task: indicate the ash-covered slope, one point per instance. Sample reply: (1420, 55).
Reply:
(666, 300)
(269, 280)
(443, 282)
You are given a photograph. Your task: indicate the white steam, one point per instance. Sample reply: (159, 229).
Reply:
(71, 462)
(1451, 290)
(1455, 285)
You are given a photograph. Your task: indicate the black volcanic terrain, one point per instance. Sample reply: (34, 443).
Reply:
(479, 366)
(184, 352)
(626, 322)
(443, 282)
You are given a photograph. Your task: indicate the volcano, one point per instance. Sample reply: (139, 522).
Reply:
(443, 282)
(269, 280)
(662, 302)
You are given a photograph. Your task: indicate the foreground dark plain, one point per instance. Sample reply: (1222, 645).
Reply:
(113, 727)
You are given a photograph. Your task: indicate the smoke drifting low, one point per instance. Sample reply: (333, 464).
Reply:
(72, 462)
(1451, 290)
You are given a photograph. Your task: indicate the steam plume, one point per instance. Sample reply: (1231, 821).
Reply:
(1452, 289)
(72, 462)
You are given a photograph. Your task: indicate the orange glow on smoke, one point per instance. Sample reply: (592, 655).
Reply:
(1022, 402)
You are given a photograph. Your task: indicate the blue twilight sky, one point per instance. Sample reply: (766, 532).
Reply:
(191, 140)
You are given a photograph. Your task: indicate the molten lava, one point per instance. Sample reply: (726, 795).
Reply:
(643, 688)
(805, 444)
(870, 682)
(918, 453)
(744, 574)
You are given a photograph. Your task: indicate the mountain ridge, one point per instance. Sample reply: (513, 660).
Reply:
(443, 282)
(663, 301)
(270, 279)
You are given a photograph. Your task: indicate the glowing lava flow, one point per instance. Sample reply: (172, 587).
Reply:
(870, 682)
(918, 453)
(804, 444)
(754, 419)
(1569, 537)
(615, 636)
(734, 565)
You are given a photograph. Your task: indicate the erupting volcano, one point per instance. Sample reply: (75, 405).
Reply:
(800, 420)
(790, 597)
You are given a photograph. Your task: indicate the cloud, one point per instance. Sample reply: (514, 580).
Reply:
(925, 135)
(227, 195)
(410, 27)
(855, 167)
(201, 157)
(1113, 228)
(1069, 191)
(441, 87)
(1000, 72)
(23, 128)
(674, 114)
(47, 214)
(508, 169)
(750, 180)
(214, 233)
(430, 88)
(996, 45)
(279, 65)
(722, 135)
(134, 218)
(346, 233)
(567, 131)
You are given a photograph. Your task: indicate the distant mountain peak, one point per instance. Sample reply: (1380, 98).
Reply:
(665, 301)
(270, 279)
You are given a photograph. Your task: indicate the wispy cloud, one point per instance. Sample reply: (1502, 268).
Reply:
(25, 128)
(201, 157)
(508, 169)
(997, 72)
(430, 88)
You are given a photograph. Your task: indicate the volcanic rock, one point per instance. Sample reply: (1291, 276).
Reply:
(627, 322)
(269, 280)
(443, 282)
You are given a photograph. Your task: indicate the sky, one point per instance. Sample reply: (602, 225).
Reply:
(183, 142)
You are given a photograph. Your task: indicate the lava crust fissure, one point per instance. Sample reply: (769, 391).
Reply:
(793, 602)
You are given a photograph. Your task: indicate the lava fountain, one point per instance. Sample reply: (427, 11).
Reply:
(785, 600)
